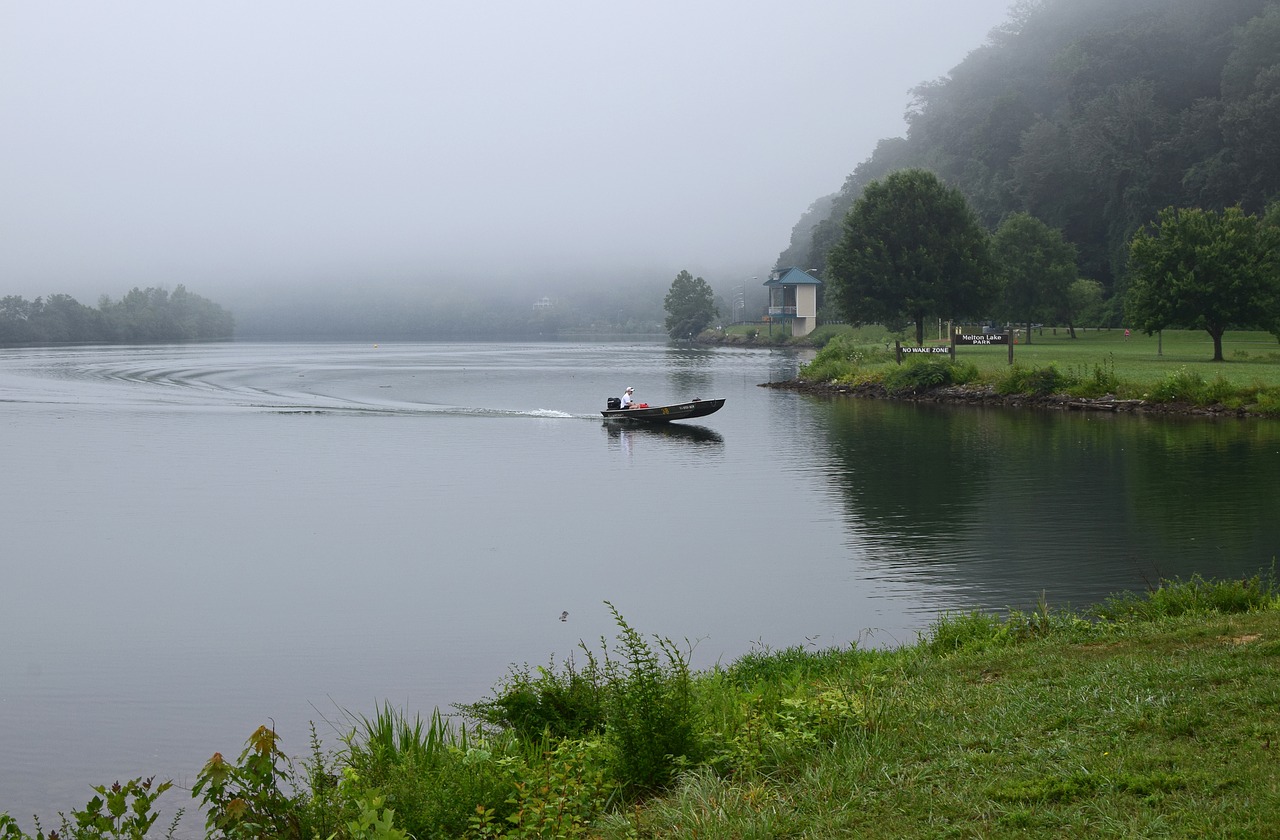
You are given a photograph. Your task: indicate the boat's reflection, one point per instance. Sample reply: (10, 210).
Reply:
(625, 432)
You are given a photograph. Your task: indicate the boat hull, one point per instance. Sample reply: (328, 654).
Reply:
(665, 413)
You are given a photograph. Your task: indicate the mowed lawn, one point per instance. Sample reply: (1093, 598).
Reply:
(1250, 358)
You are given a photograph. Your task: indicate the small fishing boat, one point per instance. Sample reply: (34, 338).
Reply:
(645, 413)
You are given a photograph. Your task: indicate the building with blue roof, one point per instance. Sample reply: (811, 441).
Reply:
(793, 296)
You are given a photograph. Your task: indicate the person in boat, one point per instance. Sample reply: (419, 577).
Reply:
(627, 400)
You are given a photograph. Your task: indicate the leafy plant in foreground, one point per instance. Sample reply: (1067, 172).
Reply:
(374, 822)
(556, 794)
(245, 799)
(651, 728)
(118, 812)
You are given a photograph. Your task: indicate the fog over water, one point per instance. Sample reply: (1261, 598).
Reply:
(243, 145)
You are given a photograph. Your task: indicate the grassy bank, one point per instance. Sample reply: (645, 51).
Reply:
(1172, 368)
(1153, 716)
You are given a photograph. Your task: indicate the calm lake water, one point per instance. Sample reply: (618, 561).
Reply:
(196, 540)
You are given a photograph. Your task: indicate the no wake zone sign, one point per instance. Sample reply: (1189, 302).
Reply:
(958, 339)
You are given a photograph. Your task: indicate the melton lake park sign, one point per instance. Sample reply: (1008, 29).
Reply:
(958, 338)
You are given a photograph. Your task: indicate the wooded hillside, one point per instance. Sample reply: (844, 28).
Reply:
(1092, 115)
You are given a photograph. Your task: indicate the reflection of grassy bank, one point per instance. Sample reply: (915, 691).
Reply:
(1156, 370)
(1157, 716)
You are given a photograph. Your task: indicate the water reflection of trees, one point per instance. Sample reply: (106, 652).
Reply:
(1211, 486)
(908, 473)
(1013, 502)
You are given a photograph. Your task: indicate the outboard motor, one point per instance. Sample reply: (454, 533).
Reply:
(614, 403)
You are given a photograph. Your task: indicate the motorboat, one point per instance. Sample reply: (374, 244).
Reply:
(645, 413)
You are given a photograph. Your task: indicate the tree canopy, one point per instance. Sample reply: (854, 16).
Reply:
(911, 249)
(690, 305)
(1036, 266)
(1200, 269)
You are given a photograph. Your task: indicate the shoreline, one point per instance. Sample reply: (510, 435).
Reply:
(985, 395)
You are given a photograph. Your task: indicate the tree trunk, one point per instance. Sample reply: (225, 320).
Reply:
(1028, 331)
(1071, 329)
(1217, 343)
(919, 332)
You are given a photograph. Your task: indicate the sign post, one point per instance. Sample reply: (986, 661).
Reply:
(983, 339)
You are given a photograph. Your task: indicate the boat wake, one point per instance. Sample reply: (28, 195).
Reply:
(323, 381)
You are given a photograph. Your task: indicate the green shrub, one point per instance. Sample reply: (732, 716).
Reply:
(249, 798)
(640, 698)
(1267, 401)
(652, 726)
(919, 376)
(842, 358)
(1222, 391)
(563, 703)
(118, 812)
(1039, 381)
(557, 794)
(1180, 386)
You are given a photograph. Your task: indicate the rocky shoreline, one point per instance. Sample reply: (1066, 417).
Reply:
(985, 395)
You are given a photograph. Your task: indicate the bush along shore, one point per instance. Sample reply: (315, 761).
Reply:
(980, 394)
(1153, 715)
(1104, 372)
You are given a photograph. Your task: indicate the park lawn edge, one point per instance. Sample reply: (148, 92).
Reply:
(1161, 728)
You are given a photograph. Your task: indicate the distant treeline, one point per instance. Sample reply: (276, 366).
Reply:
(141, 315)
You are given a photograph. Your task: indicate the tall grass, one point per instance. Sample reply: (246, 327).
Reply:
(430, 773)
(1195, 596)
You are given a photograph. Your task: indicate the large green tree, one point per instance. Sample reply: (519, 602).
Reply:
(911, 249)
(1036, 266)
(1200, 269)
(690, 305)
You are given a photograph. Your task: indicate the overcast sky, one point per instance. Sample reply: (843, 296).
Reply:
(156, 142)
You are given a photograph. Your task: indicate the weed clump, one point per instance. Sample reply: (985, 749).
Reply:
(1095, 382)
(565, 702)
(843, 358)
(638, 699)
(927, 375)
(1040, 381)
